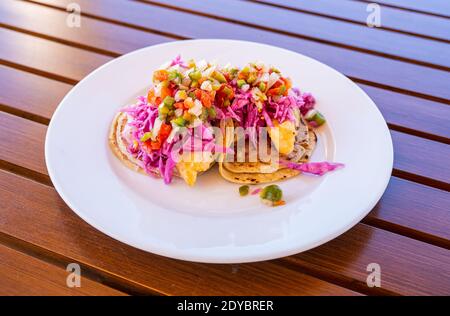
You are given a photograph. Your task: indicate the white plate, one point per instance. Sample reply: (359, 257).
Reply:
(211, 222)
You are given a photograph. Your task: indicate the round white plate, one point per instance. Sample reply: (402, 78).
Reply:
(211, 222)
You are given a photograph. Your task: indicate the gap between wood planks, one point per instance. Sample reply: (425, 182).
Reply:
(407, 9)
(174, 36)
(296, 35)
(328, 16)
(90, 272)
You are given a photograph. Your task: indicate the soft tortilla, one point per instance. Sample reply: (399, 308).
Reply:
(263, 172)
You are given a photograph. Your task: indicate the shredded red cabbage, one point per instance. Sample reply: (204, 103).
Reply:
(315, 168)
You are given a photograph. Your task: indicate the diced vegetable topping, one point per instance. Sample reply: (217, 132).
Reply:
(243, 190)
(271, 193)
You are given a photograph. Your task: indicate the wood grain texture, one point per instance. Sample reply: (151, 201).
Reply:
(59, 61)
(384, 72)
(67, 236)
(344, 259)
(21, 274)
(354, 11)
(30, 95)
(436, 7)
(421, 157)
(331, 31)
(418, 207)
(95, 35)
(422, 117)
(407, 266)
(22, 142)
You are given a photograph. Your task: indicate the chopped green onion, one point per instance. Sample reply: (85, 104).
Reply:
(316, 117)
(282, 89)
(252, 78)
(240, 83)
(146, 136)
(163, 110)
(173, 75)
(212, 113)
(195, 75)
(271, 194)
(227, 91)
(169, 101)
(243, 190)
(180, 121)
(262, 86)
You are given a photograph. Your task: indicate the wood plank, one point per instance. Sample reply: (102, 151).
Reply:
(412, 113)
(407, 266)
(405, 262)
(383, 72)
(30, 95)
(21, 274)
(328, 30)
(438, 7)
(422, 209)
(99, 36)
(68, 236)
(22, 142)
(354, 11)
(59, 61)
(421, 157)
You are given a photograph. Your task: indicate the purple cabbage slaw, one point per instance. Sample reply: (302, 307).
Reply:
(161, 162)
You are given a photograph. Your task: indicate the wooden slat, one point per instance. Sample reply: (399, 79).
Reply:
(99, 36)
(68, 236)
(438, 7)
(324, 29)
(33, 95)
(21, 274)
(343, 260)
(354, 11)
(428, 118)
(407, 266)
(421, 157)
(62, 62)
(409, 205)
(22, 142)
(412, 113)
(363, 67)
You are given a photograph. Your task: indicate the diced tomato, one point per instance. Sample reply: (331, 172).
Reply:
(160, 75)
(224, 93)
(151, 96)
(179, 105)
(206, 100)
(164, 132)
(288, 84)
(198, 93)
(165, 91)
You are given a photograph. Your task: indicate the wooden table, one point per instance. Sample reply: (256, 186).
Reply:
(404, 66)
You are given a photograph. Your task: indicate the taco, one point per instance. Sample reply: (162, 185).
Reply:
(265, 99)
